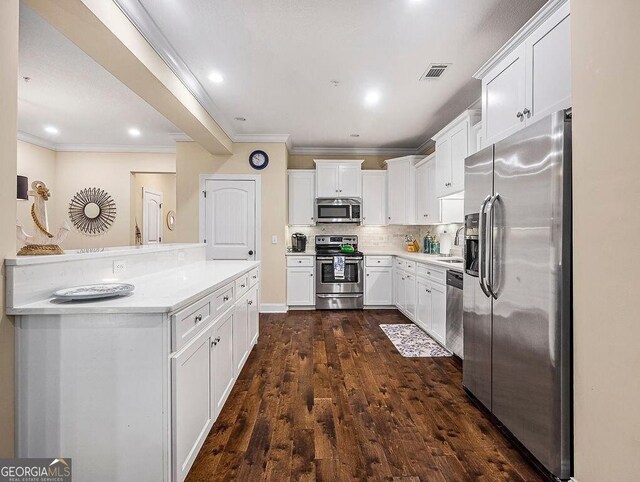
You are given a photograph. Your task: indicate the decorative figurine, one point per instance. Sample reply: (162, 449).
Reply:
(42, 242)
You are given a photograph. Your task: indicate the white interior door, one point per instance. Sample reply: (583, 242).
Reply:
(230, 219)
(151, 216)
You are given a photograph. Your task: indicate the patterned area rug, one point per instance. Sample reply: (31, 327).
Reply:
(411, 341)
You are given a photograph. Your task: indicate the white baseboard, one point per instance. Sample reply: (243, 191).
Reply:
(273, 308)
(573, 479)
(302, 308)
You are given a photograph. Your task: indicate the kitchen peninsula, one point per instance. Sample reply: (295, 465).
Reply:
(128, 387)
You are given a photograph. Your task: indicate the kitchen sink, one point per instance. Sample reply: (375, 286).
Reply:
(449, 260)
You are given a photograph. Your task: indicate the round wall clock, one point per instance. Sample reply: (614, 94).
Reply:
(258, 159)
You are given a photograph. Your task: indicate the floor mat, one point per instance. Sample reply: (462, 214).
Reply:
(411, 341)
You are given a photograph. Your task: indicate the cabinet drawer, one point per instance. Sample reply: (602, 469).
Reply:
(405, 264)
(293, 261)
(254, 277)
(187, 323)
(223, 299)
(378, 261)
(439, 275)
(242, 285)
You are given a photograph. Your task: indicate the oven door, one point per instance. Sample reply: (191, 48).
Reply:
(336, 211)
(326, 282)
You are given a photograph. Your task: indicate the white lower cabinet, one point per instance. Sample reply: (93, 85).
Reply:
(410, 294)
(222, 363)
(301, 288)
(192, 411)
(240, 334)
(378, 286)
(254, 315)
(424, 311)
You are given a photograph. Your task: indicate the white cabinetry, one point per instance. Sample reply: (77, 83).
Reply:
(374, 198)
(453, 144)
(530, 76)
(302, 194)
(338, 179)
(424, 310)
(405, 287)
(378, 286)
(222, 362)
(401, 202)
(301, 281)
(427, 202)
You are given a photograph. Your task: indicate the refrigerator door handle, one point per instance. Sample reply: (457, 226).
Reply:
(482, 248)
(489, 258)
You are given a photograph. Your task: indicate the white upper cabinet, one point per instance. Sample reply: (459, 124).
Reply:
(338, 179)
(302, 193)
(401, 186)
(453, 144)
(427, 202)
(374, 198)
(530, 76)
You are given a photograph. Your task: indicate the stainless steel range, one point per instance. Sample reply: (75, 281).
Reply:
(338, 289)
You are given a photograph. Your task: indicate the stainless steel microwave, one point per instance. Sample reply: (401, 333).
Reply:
(331, 210)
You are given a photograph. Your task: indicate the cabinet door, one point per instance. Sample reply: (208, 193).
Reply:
(254, 316)
(398, 287)
(240, 334)
(423, 309)
(410, 295)
(327, 180)
(349, 181)
(433, 203)
(548, 51)
(222, 362)
(439, 312)
(459, 152)
(374, 198)
(302, 190)
(191, 402)
(503, 97)
(378, 287)
(400, 193)
(300, 287)
(443, 166)
(422, 194)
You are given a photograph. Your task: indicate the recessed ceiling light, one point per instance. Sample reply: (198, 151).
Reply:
(133, 132)
(51, 130)
(240, 119)
(354, 135)
(216, 77)
(372, 97)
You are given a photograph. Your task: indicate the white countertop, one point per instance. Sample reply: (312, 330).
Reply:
(434, 259)
(93, 253)
(161, 292)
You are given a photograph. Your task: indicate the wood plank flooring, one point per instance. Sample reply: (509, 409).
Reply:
(326, 396)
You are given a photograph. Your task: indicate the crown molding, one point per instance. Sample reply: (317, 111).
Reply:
(352, 151)
(36, 141)
(261, 138)
(142, 21)
(428, 144)
(551, 7)
(180, 137)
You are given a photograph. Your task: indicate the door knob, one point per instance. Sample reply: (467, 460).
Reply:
(251, 252)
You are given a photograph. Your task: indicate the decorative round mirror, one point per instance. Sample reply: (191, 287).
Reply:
(171, 220)
(92, 211)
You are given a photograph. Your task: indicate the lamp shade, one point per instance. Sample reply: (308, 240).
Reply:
(23, 188)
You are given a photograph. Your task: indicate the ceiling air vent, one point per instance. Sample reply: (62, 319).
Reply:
(434, 71)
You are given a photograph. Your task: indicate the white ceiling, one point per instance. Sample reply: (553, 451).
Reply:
(70, 91)
(278, 58)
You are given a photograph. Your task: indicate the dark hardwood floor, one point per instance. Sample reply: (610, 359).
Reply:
(326, 396)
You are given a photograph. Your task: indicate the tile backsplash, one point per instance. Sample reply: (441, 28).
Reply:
(378, 237)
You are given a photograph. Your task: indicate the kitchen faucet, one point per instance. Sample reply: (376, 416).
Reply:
(456, 240)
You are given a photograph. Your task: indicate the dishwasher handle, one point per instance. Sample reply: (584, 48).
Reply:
(454, 278)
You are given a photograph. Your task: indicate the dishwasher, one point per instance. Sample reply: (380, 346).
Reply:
(454, 312)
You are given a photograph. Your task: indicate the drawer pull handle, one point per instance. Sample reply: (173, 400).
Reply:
(198, 319)
(243, 285)
(255, 276)
(225, 298)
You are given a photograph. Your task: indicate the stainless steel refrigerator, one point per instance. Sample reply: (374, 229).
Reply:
(517, 287)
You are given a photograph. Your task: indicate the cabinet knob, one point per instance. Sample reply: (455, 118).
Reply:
(526, 112)
(250, 302)
(519, 115)
(310, 274)
(214, 342)
(198, 319)
(378, 261)
(367, 274)
(225, 298)
(243, 285)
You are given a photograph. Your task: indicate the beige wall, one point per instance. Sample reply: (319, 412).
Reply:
(108, 171)
(192, 160)
(162, 182)
(606, 167)
(8, 152)
(38, 164)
